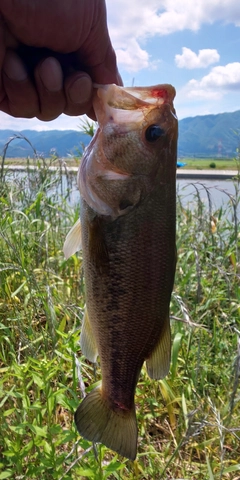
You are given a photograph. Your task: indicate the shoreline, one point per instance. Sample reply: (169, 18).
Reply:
(211, 174)
(182, 173)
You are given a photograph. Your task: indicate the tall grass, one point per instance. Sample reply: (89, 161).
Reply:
(189, 423)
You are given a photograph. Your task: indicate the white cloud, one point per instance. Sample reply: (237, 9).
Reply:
(191, 15)
(195, 90)
(190, 59)
(226, 77)
(63, 122)
(132, 22)
(140, 19)
(132, 58)
(213, 85)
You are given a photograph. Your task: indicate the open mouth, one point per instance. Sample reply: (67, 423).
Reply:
(128, 105)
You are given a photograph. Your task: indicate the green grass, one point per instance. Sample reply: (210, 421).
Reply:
(53, 161)
(204, 163)
(192, 163)
(189, 423)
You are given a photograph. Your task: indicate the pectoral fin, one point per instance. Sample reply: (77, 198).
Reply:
(87, 340)
(73, 242)
(159, 361)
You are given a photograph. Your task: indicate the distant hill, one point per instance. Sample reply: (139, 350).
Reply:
(67, 142)
(210, 135)
(206, 135)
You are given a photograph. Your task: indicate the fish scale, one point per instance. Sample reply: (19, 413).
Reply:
(128, 242)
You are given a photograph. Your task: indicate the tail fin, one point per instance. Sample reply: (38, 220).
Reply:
(97, 422)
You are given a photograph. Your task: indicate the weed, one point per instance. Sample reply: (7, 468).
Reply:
(189, 423)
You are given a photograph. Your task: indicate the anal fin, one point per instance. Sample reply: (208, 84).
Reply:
(159, 361)
(87, 340)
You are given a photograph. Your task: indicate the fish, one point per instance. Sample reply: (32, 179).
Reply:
(127, 183)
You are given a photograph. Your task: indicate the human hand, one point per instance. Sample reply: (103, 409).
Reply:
(50, 53)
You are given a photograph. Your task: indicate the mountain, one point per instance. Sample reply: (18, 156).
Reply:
(210, 135)
(63, 143)
(206, 135)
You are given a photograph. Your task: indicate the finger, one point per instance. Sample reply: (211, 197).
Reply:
(21, 98)
(58, 25)
(2, 55)
(97, 53)
(78, 90)
(107, 71)
(49, 83)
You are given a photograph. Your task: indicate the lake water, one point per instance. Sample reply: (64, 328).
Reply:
(214, 191)
(218, 191)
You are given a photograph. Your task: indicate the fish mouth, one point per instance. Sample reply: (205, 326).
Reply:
(129, 105)
(131, 98)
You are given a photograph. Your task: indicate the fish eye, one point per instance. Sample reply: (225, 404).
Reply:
(153, 133)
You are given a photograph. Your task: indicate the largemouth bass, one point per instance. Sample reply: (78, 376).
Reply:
(127, 181)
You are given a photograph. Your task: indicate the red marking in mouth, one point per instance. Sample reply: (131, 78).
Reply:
(159, 93)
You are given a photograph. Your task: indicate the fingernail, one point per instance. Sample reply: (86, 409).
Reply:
(14, 68)
(51, 74)
(80, 91)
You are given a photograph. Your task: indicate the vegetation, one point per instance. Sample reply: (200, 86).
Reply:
(194, 163)
(205, 136)
(189, 423)
(73, 161)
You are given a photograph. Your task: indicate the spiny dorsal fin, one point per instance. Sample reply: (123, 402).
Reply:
(73, 242)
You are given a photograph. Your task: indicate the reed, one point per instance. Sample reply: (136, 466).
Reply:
(189, 423)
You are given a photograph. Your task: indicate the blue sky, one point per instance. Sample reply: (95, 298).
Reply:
(192, 44)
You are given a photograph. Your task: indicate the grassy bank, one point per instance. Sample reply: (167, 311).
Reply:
(210, 163)
(189, 423)
(46, 162)
(192, 163)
